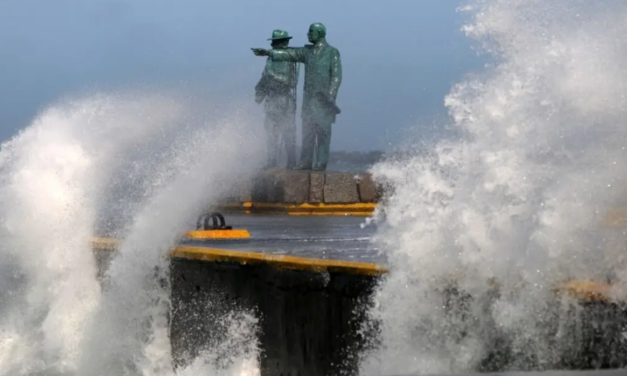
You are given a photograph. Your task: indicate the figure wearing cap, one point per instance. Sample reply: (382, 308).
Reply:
(323, 76)
(277, 87)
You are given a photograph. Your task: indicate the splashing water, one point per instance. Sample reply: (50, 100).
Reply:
(159, 163)
(517, 200)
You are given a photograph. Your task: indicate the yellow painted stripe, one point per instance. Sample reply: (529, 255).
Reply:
(586, 290)
(104, 243)
(615, 218)
(218, 234)
(357, 209)
(582, 290)
(278, 261)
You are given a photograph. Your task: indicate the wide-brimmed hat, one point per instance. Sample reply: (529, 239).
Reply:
(280, 34)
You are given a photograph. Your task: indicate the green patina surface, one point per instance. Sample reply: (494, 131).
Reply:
(323, 77)
(277, 87)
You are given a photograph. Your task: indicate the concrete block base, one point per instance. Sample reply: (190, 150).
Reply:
(307, 187)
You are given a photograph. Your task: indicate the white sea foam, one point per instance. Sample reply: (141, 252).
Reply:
(518, 199)
(158, 161)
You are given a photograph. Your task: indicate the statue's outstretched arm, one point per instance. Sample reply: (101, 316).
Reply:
(336, 74)
(295, 55)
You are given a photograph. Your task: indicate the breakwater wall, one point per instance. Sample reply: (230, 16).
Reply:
(311, 312)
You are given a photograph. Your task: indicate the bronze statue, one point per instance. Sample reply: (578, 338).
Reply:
(323, 76)
(277, 87)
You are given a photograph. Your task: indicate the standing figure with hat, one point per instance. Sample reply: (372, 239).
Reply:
(323, 76)
(277, 87)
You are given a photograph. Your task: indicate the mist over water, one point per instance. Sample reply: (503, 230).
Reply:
(159, 161)
(518, 200)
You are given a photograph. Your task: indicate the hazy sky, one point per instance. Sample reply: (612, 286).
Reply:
(400, 57)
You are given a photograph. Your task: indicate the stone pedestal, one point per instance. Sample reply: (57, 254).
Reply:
(308, 187)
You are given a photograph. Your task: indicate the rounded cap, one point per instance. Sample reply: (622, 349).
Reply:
(280, 34)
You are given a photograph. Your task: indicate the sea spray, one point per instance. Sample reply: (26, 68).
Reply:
(156, 158)
(516, 203)
(209, 162)
(49, 182)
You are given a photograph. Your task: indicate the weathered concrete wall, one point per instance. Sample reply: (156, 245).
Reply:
(299, 187)
(311, 311)
(309, 322)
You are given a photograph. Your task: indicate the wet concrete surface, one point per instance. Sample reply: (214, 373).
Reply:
(340, 238)
(323, 237)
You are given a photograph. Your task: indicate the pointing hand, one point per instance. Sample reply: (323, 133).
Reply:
(260, 52)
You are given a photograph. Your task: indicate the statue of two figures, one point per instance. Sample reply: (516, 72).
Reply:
(278, 84)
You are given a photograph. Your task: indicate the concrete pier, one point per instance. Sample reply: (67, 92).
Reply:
(310, 312)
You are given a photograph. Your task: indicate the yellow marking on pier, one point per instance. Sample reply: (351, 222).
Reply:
(218, 234)
(615, 218)
(245, 258)
(99, 243)
(586, 290)
(582, 290)
(278, 261)
(356, 209)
